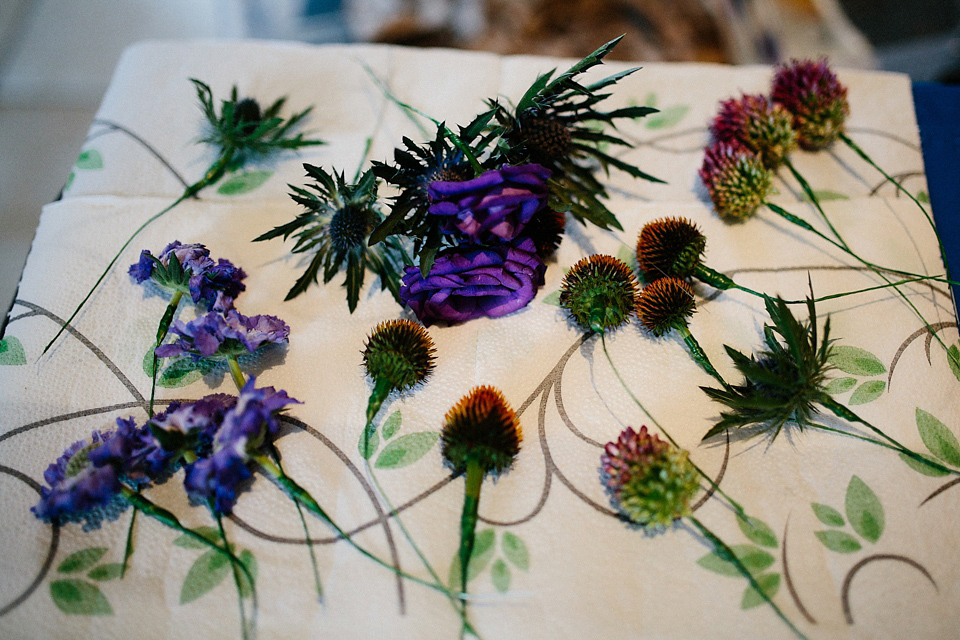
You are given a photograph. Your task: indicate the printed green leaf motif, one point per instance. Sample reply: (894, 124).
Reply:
(868, 392)
(244, 182)
(406, 450)
(920, 467)
(838, 541)
(11, 352)
(90, 159)
(189, 542)
(769, 583)
(825, 194)
(627, 256)
(953, 359)
(753, 558)
(483, 549)
(106, 572)
(666, 118)
(391, 425)
(81, 560)
(552, 298)
(855, 361)
(179, 373)
(79, 598)
(840, 385)
(864, 510)
(207, 572)
(922, 196)
(500, 574)
(515, 550)
(938, 438)
(69, 182)
(827, 515)
(757, 531)
(250, 562)
(372, 444)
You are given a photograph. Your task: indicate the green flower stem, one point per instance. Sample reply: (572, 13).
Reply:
(864, 290)
(381, 390)
(846, 414)
(468, 522)
(236, 574)
(698, 354)
(718, 280)
(238, 378)
(167, 518)
(863, 154)
(716, 487)
(808, 191)
(214, 173)
(724, 551)
(128, 547)
(162, 330)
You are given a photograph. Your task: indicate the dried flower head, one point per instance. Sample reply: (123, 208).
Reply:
(757, 123)
(665, 304)
(481, 428)
(811, 92)
(546, 230)
(736, 180)
(649, 481)
(399, 351)
(669, 247)
(600, 293)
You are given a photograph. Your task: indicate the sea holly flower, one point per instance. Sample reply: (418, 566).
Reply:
(335, 228)
(759, 124)
(220, 336)
(813, 95)
(471, 282)
(493, 207)
(649, 481)
(188, 268)
(600, 293)
(736, 179)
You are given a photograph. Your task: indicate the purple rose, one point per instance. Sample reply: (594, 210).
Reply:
(494, 206)
(470, 282)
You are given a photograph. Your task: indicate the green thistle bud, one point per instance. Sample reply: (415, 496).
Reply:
(400, 352)
(600, 293)
(482, 428)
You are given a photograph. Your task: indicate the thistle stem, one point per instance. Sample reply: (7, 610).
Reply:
(128, 547)
(238, 378)
(698, 354)
(808, 191)
(864, 290)
(162, 329)
(236, 573)
(723, 550)
(720, 281)
(468, 523)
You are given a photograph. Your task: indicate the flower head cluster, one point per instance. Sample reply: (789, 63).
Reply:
(481, 429)
(670, 247)
(401, 352)
(813, 95)
(757, 123)
(221, 336)
(600, 292)
(649, 481)
(665, 304)
(736, 179)
(188, 268)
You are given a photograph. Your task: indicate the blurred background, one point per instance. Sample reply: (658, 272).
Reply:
(57, 56)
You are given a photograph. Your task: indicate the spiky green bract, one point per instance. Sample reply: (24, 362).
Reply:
(649, 481)
(335, 228)
(665, 304)
(248, 133)
(481, 428)
(670, 247)
(557, 124)
(600, 292)
(784, 381)
(811, 92)
(736, 179)
(758, 123)
(401, 352)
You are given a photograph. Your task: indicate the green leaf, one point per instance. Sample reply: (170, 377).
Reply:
(79, 598)
(483, 549)
(840, 385)
(757, 531)
(11, 352)
(106, 572)
(207, 572)
(189, 542)
(864, 510)
(666, 118)
(953, 359)
(500, 574)
(627, 256)
(768, 583)
(938, 438)
(90, 159)
(515, 550)
(827, 515)
(838, 541)
(923, 197)
(367, 447)
(855, 361)
(81, 560)
(552, 298)
(919, 467)
(823, 195)
(243, 182)
(250, 562)
(753, 558)
(406, 450)
(868, 392)
(391, 425)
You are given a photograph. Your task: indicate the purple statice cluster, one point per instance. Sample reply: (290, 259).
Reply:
(223, 335)
(495, 265)
(213, 439)
(188, 268)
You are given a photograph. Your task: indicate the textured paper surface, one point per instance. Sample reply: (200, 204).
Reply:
(584, 573)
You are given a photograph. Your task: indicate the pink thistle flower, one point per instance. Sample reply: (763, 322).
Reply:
(736, 179)
(757, 123)
(815, 98)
